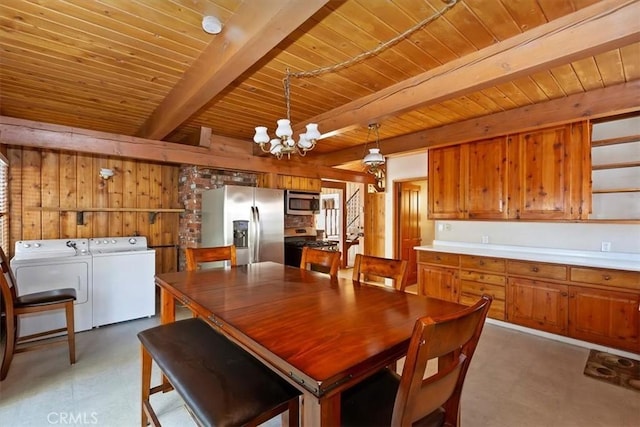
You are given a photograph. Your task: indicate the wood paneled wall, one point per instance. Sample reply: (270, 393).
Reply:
(65, 180)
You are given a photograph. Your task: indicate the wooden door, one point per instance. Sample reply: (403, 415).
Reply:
(447, 178)
(374, 224)
(605, 317)
(409, 232)
(487, 186)
(540, 174)
(539, 305)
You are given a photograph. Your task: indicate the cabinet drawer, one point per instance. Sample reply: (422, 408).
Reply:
(496, 311)
(438, 258)
(599, 276)
(477, 289)
(483, 263)
(476, 276)
(537, 269)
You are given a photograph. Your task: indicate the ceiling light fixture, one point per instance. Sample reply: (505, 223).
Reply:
(374, 160)
(211, 25)
(285, 143)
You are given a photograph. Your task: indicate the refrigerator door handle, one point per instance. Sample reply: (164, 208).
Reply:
(258, 230)
(252, 234)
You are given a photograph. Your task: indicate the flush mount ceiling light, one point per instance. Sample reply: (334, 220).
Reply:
(211, 24)
(285, 143)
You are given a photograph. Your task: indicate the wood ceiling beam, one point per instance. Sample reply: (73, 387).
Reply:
(602, 27)
(613, 100)
(224, 153)
(252, 32)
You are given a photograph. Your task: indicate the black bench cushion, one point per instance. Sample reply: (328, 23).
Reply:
(222, 384)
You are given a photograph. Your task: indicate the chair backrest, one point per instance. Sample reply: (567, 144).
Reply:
(366, 265)
(319, 260)
(196, 256)
(7, 289)
(9, 279)
(453, 340)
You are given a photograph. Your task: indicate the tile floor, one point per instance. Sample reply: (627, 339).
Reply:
(515, 379)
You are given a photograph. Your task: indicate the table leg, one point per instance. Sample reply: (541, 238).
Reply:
(325, 412)
(167, 315)
(167, 307)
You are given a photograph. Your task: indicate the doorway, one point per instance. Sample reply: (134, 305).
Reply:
(412, 227)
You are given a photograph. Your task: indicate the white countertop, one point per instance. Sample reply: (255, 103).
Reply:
(615, 260)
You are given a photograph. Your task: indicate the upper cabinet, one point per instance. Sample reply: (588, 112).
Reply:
(447, 182)
(542, 174)
(549, 173)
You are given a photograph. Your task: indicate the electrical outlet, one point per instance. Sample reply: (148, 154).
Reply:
(485, 239)
(441, 227)
(605, 247)
(447, 226)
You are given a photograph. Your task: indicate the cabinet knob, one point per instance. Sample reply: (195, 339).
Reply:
(564, 294)
(481, 262)
(535, 269)
(606, 277)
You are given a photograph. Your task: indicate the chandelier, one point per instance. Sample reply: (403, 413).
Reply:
(285, 143)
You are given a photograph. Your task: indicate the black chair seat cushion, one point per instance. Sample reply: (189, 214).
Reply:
(222, 384)
(370, 403)
(46, 297)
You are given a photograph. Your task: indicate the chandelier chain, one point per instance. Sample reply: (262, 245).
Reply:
(367, 54)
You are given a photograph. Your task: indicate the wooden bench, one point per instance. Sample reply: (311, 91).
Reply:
(220, 383)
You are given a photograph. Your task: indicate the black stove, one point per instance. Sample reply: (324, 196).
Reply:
(293, 247)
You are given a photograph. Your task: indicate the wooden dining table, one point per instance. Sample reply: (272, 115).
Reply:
(322, 335)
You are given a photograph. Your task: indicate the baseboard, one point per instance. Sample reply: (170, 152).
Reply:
(563, 339)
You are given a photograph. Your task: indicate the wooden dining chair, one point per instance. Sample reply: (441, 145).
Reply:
(319, 260)
(13, 306)
(196, 256)
(366, 266)
(388, 399)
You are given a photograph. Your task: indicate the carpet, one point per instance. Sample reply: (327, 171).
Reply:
(613, 369)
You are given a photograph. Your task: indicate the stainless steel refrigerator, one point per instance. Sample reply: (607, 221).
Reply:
(251, 218)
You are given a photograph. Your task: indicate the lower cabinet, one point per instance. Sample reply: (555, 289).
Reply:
(538, 304)
(596, 305)
(605, 317)
(438, 282)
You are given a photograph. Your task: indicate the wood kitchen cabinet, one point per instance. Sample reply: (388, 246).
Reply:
(542, 174)
(605, 316)
(469, 180)
(604, 307)
(447, 179)
(438, 275)
(535, 300)
(483, 275)
(487, 179)
(592, 304)
(548, 173)
(538, 304)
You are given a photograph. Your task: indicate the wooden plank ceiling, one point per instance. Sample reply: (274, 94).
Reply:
(145, 68)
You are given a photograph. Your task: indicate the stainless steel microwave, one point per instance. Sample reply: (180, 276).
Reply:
(301, 203)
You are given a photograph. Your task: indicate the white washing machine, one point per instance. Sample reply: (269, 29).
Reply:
(123, 279)
(41, 265)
